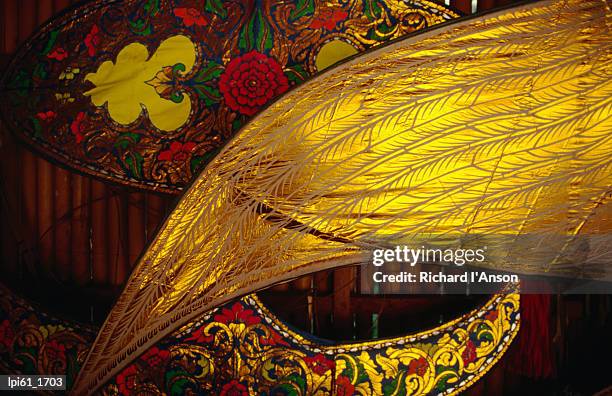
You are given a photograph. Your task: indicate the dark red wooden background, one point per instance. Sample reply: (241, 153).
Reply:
(69, 241)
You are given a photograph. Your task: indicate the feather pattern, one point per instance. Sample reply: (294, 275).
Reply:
(497, 127)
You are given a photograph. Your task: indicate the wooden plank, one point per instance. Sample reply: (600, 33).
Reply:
(62, 211)
(364, 324)
(302, 283)
(10, 164)
(322, 282)
(58, 5)
(321, 316)
(45, 215)
(44, 11)
(42, 212)
(116, 238)
(99, 248)
(154, 212)
(464, 6)
(484, 5)
(342, 313)
(60, 185)
(478, 389)
(281, 287)
(494, 381)
(304, 313)
(136, 226)
(80, 229)
(20, 26)
(29, 193)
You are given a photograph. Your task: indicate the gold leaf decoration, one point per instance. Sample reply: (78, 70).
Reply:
(496, 126)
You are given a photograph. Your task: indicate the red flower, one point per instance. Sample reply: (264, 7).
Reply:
(178, 152)
(418, 366)
(155, 357)
(191, 16)
(491, 316)
(250, 81)
(234, 388)
(56, 351)
(46, 116)
(237, 314)
(126, 380)
(58, 54)
(6, 333)
(469, 353)
(77, 127)
(92, 40)
(344, 386)
(199, 337)
(319, 363)
(273, 339)
(328, 18)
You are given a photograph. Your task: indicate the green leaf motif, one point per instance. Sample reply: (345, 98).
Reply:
(179, 67)
(210, 95)
(348, 369)
(180, 386)
(486, 337)
(195, 162)
(237, 123)
(50, 42)
(125, 140)
(362, 374)
(286, 389)
(151, 7)
(216, 7)
(21, 83)
(442, 384)
(302, 8)
(209, 71)
(372, 10)
(394, 387)
(173, 373)
(40, 71)
(256, 34)
(246, 39)
(296, 74)
(142, 25)
(203, 85)
(298, 380)
(198, 161)
(134, 161)
(263, 33)
(440, 369)
(37, 127)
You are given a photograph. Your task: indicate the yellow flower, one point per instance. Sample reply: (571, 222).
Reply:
(48, 330)
(64, 97)
(69, 73)
(134, 82)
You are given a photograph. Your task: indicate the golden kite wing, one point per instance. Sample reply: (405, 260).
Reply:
(496, 126)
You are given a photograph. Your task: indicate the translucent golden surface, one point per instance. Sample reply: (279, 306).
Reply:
(497, 127)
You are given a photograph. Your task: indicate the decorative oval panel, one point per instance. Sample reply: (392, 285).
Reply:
(145, 92)
(242, 347)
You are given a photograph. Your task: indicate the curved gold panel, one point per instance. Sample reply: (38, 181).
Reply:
(462, 130)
